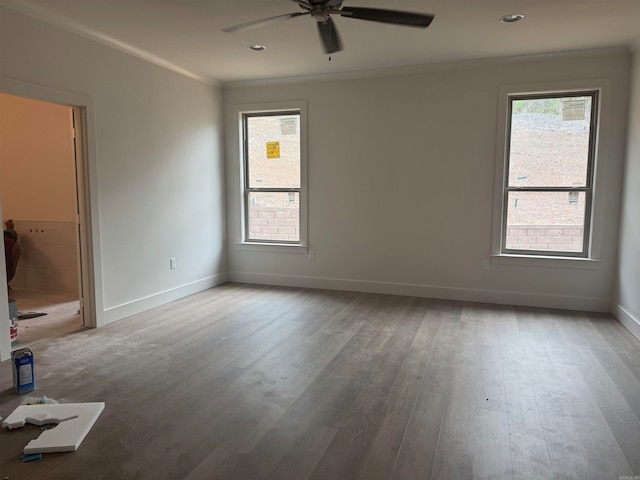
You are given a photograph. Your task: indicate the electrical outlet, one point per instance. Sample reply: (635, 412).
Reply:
(486, 264)
(172, 263)
(311, 255)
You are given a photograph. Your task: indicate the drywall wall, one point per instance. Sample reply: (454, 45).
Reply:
(37, 174)
(155, 160)
(401, 184)
(49, 257)
(627, 300)
(37, 184)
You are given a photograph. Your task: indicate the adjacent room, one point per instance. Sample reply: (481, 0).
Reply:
(38, 187)
(326, 239)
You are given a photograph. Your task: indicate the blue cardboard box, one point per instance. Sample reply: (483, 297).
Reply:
(24, 379)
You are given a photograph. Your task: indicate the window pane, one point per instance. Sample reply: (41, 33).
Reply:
(550, 142)
(552, 221)
(273, 156)
(274, 216)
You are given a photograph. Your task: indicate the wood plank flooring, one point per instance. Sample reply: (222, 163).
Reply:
(256, 382)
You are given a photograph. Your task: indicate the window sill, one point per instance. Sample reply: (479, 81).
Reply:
(272, 247)
(542, 261)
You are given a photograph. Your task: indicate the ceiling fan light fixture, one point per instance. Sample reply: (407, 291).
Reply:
(257, 48)
(322, 10)
(511, 18)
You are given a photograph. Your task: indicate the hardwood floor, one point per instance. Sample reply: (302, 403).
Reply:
(256, 382)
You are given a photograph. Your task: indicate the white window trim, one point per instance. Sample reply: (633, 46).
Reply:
(242, 243)
(603, 86)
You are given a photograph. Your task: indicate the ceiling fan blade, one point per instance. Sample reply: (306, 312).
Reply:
(263, 21)
(420, 20)
(329, 35)
(303, 4)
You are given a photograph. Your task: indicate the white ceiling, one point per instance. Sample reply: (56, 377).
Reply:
(187, 36)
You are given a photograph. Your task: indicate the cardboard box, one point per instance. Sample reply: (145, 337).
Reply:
(24, 379)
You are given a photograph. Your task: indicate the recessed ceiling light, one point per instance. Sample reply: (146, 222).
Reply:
(257, 48)
(512, 18)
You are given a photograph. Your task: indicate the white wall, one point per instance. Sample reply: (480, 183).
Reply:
(627, 299)
(401, 184)
(156, 161)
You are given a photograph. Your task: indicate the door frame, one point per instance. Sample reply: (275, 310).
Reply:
(88, 213)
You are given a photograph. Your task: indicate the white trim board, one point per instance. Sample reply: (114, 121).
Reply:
(629, 321)
(407, 70)
(74, 420)
(134, 307)
(501, 297)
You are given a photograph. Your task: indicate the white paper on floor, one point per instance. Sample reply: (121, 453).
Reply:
(74, 422)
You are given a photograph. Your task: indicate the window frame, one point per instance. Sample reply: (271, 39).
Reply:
(600, 177)
(589, 181)
(282, 108)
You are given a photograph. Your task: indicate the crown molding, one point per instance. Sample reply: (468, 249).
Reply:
(463, 64)
(73, 27)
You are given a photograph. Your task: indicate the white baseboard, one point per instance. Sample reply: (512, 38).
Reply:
(430, 291)
(119, 312)
(629, 321)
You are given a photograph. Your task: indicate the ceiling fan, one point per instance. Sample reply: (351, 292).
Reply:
(321, 11)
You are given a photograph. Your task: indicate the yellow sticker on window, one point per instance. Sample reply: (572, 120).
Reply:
(273, 149)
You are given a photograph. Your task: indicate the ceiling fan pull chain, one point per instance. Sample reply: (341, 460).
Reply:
(330, 34)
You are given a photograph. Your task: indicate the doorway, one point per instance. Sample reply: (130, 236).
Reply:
(39, 189)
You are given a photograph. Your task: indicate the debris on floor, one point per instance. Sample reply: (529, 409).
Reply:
(31, 458)
(27, 315)
(24, 379)
(43, 400)
(73, 421)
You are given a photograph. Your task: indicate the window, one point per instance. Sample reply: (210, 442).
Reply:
(547, 189)
(273, 177)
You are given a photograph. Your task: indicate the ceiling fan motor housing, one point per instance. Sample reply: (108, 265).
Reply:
(320, 15)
